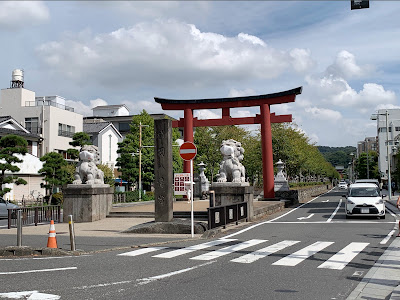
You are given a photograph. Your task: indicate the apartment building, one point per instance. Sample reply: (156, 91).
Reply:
(47, 116)
(388, 135)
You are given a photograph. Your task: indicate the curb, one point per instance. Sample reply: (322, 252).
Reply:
(30, 251)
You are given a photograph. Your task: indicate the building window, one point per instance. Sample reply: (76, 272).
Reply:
(66, 130)
(32, 125)
(124, 126)
(397, 128)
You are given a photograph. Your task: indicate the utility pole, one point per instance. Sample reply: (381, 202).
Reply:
(140, 161)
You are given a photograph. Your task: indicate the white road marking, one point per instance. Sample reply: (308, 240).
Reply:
(227, 250)
(303, 218)
(336, 210)
(142, 281)
(297, 257)
(387, 238)
(29, 295)
(192, 248)
(277, 218)
(325, 201)
(38, 271)
(141, 251)
(256, 255)
(158, 277)
(344, 256)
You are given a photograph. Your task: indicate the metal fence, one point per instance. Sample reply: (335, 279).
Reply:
(35, 215)
(223, 215)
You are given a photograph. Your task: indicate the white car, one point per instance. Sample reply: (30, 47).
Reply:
(364, 199)
(343, 185)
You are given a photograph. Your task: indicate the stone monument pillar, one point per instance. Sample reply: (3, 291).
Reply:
(280, 182)
(163, 198)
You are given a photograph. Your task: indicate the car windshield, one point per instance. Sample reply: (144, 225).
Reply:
(364, 192)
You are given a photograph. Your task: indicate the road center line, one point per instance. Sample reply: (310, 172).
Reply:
(38, 271)
(336, 210)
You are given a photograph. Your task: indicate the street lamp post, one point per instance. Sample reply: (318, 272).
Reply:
(374, 117)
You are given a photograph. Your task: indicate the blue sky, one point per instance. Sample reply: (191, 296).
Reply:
(108, 52)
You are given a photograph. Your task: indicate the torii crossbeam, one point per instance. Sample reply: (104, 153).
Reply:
(265, 118)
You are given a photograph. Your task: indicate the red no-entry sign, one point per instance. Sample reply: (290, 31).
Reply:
(188, 150)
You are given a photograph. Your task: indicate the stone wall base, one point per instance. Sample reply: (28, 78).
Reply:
(227, 193)
(87, 203)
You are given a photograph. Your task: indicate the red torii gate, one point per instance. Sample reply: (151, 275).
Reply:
(265, 118)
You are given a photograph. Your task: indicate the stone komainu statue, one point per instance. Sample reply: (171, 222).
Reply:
(231, 168)
(86, 171)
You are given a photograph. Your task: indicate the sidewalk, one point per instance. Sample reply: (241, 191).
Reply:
(383, 280)
(107, 234)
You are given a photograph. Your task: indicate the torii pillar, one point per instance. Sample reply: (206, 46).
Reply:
(265, 118)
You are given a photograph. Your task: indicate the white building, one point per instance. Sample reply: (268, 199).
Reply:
(106, 137)
(388, 129)
(30, 166)
(47, 116)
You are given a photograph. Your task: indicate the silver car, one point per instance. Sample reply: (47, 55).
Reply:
(4, 206)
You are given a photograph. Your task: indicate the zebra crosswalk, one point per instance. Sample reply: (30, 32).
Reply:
(337, 261)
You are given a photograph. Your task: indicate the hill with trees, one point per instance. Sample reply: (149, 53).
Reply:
(337, 156)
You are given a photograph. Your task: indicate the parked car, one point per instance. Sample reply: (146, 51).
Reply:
(4, 206)
(364, 199)
(343, 185)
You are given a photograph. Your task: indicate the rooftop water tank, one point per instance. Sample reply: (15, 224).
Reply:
(17, 80)
(18, 75)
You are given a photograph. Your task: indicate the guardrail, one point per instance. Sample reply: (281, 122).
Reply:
(34, 215)
(223, 215)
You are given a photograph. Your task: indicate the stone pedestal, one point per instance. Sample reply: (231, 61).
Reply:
(86, 202)
(227, 193)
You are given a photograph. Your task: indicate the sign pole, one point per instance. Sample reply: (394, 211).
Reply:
(192, 197)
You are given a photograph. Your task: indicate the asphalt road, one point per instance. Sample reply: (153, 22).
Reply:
(311, 252)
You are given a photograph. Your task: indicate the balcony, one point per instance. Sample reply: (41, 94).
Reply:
(66, 133)
(48, 103)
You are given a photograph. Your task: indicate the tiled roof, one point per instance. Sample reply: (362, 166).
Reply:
(94, 127)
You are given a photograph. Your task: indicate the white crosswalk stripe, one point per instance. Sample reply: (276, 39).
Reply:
(256, 255)
(142, 251)
(297, 257)
(344, 256)
(227, 250)
(337, 261)
(186, 250)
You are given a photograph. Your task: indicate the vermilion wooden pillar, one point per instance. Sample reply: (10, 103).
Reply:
(187, 134)
(266, 148)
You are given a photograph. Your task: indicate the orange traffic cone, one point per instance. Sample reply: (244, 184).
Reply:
(52, 241)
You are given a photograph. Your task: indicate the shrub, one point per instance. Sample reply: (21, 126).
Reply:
(57, 199)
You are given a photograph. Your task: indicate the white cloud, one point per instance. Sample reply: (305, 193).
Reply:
(85, 110)
(149, 106)
(346, 66)
(324, 114)
(17, 14)
(241, 93)
(301, 59)
(165, 53)
(204, 114)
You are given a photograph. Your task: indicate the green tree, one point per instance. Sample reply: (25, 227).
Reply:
(370, 163)
(10, 146)
(108, 174)
(128, 162)
(55, 172)
(79, 139)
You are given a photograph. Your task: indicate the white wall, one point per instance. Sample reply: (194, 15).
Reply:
(104, 144)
